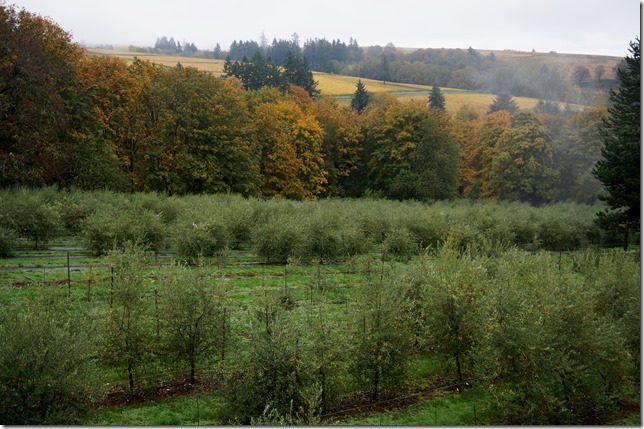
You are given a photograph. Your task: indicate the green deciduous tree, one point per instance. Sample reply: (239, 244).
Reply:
(412, 152)
(577, 150)
(619, 168)
(203, 141)
(523, 167)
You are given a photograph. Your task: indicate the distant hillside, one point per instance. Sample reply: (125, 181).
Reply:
(342, 87)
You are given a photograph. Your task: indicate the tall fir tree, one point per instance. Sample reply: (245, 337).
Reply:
(619, 168)
(437, 99)
(297, 72)
(503, 101)
(360, 98)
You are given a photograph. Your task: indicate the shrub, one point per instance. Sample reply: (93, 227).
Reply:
(34, 216)
(399, 244)
(109, 229)
(321, 237)
(279, 238)
(7, 242)
(202, 238)
(534, 340)
(271, 376)
(45, 363)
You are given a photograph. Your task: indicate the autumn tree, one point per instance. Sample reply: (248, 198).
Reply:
(203, 141)
(523, 166)
(133, 121)
(480, 158)
(291, 140)
(619, 167)
(104, 84)
(580, 74)
(37, 87)
(341, 142)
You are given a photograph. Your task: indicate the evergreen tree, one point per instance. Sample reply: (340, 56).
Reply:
(297, 72)
(619, 169)
(436, 99)
(503, 101)
(360, 97)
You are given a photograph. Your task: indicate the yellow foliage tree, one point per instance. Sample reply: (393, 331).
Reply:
(292, 162)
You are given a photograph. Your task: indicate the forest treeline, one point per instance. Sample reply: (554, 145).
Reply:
(551, 77)
(94, 123)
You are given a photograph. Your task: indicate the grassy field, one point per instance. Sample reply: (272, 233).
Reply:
(339, 86)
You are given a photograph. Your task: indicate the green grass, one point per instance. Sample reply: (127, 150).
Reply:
(448, 409)
(195, 409)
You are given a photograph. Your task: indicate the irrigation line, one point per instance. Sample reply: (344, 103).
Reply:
(398, 398)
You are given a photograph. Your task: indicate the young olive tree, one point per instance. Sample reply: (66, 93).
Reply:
(453, 284)
(195, 321)
(382, 337)
(271, 375)
(547, 356)
(45, 362)
(128, 333)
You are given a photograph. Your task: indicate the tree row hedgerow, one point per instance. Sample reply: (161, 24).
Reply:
(325, 230)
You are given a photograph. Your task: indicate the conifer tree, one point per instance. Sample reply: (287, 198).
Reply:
(619, 168)
(436, 99)
(503, 101)
(360, 97)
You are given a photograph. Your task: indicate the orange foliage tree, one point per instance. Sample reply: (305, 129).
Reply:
(37, 90)
(292, 163)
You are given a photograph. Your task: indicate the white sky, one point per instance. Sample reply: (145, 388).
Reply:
(602, 27)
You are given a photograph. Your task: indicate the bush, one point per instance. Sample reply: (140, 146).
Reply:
(279, 238)
(399, 244)
(45, 364)
(202, 238)
(109, 229)
(270, 377)
(533, 346)
(34, 215)
(7, 242)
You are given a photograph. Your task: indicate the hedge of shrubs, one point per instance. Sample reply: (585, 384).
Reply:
(277, 230)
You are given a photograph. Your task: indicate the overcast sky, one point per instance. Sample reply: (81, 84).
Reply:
(603, 27)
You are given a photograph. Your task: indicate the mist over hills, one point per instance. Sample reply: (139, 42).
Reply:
(572, 78)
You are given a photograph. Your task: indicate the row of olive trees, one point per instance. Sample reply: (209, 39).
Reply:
(552, 341)
(53, 350)
(204, 226)
(300, 362)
